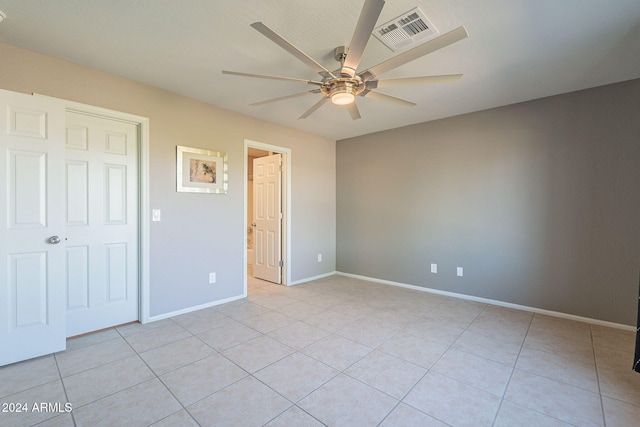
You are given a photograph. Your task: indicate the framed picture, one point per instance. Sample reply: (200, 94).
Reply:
(201, 171)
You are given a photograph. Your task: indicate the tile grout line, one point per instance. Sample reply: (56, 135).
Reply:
(160, 379)
(595, 362)
(139, 357)
(64, 388)
(541, 376)
(293, 404)
(431, 367)
(513, 369)
(195, 402)
(339, 371)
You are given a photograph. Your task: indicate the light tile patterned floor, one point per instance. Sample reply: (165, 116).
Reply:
(337, 352)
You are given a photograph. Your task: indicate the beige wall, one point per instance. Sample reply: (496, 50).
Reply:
(199, 233)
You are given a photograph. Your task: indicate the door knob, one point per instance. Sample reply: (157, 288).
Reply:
(54, 240)
(254, 225)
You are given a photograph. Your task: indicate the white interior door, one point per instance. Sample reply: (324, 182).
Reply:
(32, 264)
(267, 212)
(101, 222)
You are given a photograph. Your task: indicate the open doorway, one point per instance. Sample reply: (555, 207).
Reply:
(267, 222)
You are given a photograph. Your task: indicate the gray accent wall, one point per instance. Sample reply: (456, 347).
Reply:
(199, 233)
(539, 202)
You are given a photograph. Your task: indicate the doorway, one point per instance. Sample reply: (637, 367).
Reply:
(256, 150)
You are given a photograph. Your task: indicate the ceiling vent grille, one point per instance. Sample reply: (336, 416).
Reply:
(406, 30)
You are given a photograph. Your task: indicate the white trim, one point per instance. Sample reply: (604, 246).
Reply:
(310, 279)
(145, 257)
(494, 302)
(286, 241)
(143, 177)
(196, 308)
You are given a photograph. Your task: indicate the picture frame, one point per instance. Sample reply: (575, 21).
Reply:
(201, 171)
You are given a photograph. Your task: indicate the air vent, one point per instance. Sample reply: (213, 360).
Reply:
(406, 30)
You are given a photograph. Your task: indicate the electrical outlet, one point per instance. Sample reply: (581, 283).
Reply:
(319, 257)
(212, 277)
(434, 268)
(459, 271)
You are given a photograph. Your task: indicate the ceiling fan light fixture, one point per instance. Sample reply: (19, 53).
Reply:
(343, 98)
(342, 91)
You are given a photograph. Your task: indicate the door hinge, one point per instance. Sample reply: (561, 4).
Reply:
(280, 263)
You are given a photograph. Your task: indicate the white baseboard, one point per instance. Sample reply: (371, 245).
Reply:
(223, 301)
(310, 279)
(494, 302)
(195, 308)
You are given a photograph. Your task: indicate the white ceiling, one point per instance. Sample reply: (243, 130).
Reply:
(517, 50)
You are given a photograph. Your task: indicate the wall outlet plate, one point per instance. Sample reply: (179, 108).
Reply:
(459, 271)
(212, 277)
(434, 268)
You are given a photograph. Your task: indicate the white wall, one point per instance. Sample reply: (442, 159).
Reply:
(199, 233)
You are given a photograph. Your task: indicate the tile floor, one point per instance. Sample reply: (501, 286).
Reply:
(336, 352)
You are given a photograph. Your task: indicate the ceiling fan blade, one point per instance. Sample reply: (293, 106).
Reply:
(264, 76)
(314, 108)
(280, 41)
(445, 78)
(432, 45)
(353, 111)
(387, 98)
(366, 23)
(295, 95)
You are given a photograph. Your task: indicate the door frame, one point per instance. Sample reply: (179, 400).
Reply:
(143, 191)
(286, 207)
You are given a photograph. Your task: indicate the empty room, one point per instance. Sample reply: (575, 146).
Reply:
(337, 213)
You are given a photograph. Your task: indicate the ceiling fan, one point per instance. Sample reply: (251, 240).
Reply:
(343, 85)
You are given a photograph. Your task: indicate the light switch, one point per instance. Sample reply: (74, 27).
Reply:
(155, 215)
(459, 271)
(434, 268)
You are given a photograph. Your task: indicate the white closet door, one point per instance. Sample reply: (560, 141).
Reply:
(32, 239)
(101, 222)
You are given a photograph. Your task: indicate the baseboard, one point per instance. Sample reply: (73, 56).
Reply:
(223, 301)
(195, 308)
(310, 279)
(494, 302)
